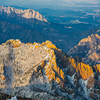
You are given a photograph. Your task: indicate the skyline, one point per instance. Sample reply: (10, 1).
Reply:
(51, 3)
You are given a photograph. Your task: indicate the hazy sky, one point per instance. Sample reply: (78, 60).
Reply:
(50, 3)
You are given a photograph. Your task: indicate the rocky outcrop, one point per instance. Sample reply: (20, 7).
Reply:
(87, 50)
(28, 13)
(44, 72)
(97, 68)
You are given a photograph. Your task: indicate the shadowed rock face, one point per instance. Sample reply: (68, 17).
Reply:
(44, 72)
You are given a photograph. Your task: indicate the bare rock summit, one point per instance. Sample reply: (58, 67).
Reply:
(43, 72)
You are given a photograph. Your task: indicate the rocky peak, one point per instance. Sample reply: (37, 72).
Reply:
(39, 71)
(27, 13)
(90, 39)
(88, 49)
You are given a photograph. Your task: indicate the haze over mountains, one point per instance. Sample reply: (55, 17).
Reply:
(50, 49)
(28, 26)
(60, 4)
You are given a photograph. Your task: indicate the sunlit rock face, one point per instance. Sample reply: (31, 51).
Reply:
(44, 72)
(87, 50)
(28, 13)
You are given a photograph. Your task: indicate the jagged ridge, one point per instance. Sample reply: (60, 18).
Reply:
(43, 67)
(28, 13)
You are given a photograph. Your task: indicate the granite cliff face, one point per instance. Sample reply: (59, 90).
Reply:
(28, 13)
(44, 72)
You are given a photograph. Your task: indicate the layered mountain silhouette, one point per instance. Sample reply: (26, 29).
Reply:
(43, 72)
(26, 25)
(29, 25)
(38, 70)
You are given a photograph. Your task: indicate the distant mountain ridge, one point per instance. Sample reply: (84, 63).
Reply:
(27, 25)
(14, 26)
(21, 24)
(28, 13)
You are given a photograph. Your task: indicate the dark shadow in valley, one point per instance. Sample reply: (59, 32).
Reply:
(8, 68)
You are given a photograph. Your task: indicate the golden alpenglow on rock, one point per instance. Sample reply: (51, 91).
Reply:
(14, 43)
(41, 70)
(97, 68)
(84, 70)
(51, 68)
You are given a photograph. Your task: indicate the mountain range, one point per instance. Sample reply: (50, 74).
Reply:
(28, 13)
(32, 69)
(29, 25)
(43, 72)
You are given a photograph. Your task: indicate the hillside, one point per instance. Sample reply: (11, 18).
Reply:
(88, 50)
(44, 72)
